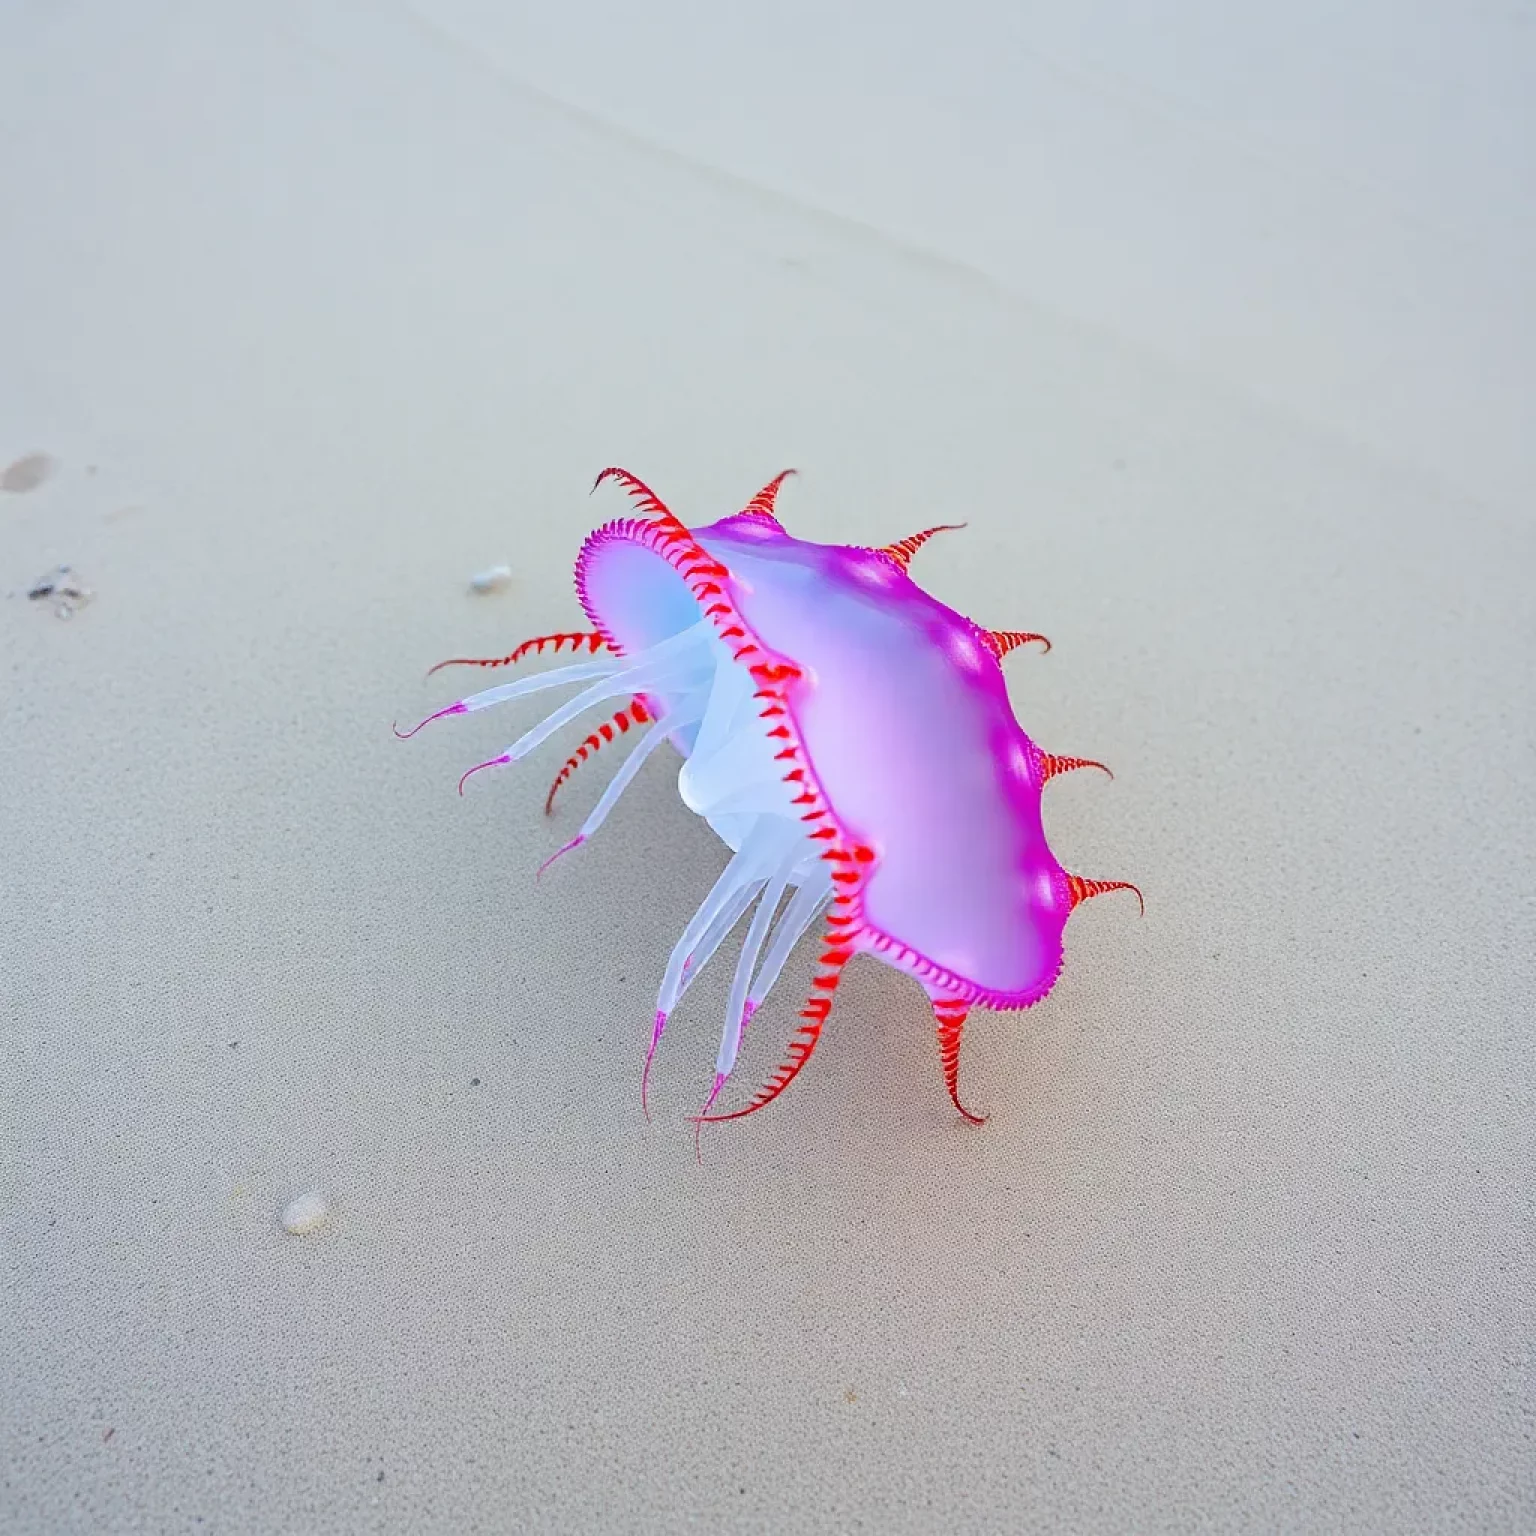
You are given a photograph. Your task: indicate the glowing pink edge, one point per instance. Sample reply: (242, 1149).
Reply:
(706, 579)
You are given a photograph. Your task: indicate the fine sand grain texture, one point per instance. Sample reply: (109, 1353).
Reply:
(342, 313)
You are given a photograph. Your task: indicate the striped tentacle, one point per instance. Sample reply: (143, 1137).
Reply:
(1001, 641)
(639, 492)
(903, 549)
(761, 504)
(949, 1015)
(633, 713)
(588, 640)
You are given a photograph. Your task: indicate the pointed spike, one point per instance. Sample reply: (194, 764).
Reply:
(453, 709)
(949, 1015)
(761, 505)
(1081, 890)
(1051, 765)
(1001, 641)
(903, 549)
(633, 712)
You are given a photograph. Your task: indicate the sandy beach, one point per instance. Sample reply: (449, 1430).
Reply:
(316, 313)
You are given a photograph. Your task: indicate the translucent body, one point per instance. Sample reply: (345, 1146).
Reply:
(909, 732)
(729, 776)
(848, 737)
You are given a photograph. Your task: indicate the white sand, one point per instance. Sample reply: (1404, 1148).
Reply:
(339, 316)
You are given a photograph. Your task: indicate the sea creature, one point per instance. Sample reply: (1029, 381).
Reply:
(849, 738)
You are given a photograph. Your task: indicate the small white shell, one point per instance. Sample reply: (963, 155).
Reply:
(492, 579)
(305, 1213)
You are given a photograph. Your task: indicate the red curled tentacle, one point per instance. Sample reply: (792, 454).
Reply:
(650, 1056)
(590, 639)
(949, 1015)
(633, 713)
(639, 492)
(761, 504)
(813, 1018)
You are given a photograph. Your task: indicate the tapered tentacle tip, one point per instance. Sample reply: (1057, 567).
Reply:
(701, 1119)
(452, 709)
(714, 1093)
(950, 1016)
(640, 493)
(903, 549)
(575, 842)
(1002, 641)
(490, 762)
(650, 1056)
(762, 505)
(1080, 890)
(1051, 765)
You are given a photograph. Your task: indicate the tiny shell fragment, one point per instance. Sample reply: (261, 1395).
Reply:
(26, 473)
(305, 1213)
(492, 579)
(66, 589)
